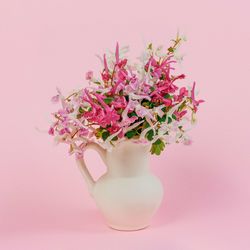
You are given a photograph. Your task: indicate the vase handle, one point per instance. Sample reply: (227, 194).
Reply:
(83, 167)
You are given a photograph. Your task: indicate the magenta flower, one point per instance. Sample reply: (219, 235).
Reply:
(83, 132)
(128, 101)
(121, 75)
(133, 85)
(146, 88)
(182, 76)
(64, 131)
(182, 93)
(113, 129)
(119, 102)
(110, 115)
(128, 120)
(117, 53)
(161, 99)
(89, 75)
(195, 102)
(179, 115)
(105, 74)
(51, 131)
(122, 63)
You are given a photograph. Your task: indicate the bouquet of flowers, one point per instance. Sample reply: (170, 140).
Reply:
(142, 102)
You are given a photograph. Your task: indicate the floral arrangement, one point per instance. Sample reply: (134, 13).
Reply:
(141, 102)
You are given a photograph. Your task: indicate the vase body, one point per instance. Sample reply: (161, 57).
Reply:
(128, 194)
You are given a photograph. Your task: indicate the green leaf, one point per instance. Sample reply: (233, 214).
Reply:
(132, 114)
(146, 124)
(130, 134)
(108, 100)
(138, 131)
(98, 83)
(105, 135)
(162, 119)
(127, 98)
(171, 49)
(150, 46)
(164, 109)
(169, 119)
(99, 132)
(150, 135)
(151, 105)
(168, 96)
(182, 106)
(115, 138)
(80, 110)
(119, 111)
(174, 117)
(163, 77)
(78, 116)
(157, 147)
(145, 102)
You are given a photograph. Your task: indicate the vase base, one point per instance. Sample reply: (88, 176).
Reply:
(127, 228)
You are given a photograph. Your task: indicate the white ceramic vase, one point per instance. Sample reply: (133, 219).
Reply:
(128, 194)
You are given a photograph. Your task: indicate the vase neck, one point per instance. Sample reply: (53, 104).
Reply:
(128, 159)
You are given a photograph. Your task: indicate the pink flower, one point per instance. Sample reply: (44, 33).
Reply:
(89, 75)
(187, 142)
(151, 62)
(146, 89)
(180, 114)
(83, 132)
(127, 98)
(113, 129)
(159, 70)
(87, 97)
(122, 63)
(51, 131)
(105, 74)
(182, 92)
(110, 117)
(119, 102)
(143, 112)
(79, 155)
(182, 76)
(96, 113)
(121, 75)
(133, 84)
(105, 64)
(158, 98)
(117, 88)
(127, 121)
(64, 131)
(117, 53)
(195, 102)
(55, 99)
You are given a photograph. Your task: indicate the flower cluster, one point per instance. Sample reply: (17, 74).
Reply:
(140, 102)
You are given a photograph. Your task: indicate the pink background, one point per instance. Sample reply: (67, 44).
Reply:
(49, 43)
